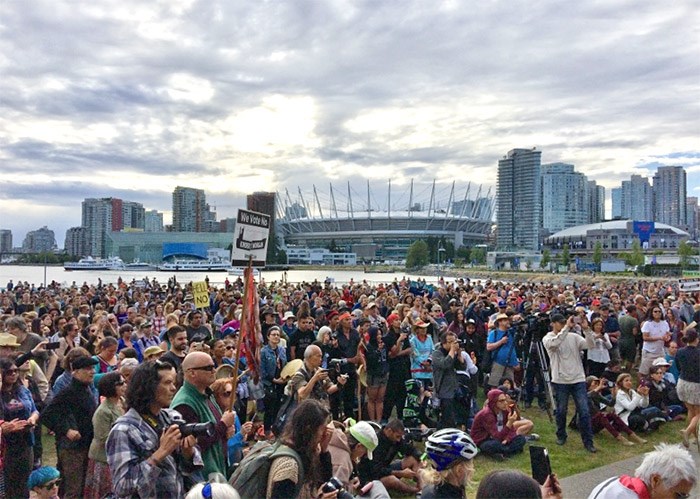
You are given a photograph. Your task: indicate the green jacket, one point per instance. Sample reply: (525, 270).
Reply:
(213, 457)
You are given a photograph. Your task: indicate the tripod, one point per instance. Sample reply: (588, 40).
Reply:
(537, 351)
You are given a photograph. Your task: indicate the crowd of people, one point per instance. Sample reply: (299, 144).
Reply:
(140, 388)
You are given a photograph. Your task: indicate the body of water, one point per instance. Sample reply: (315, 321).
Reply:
(39, 274)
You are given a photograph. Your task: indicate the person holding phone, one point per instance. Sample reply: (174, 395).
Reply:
(494, 429)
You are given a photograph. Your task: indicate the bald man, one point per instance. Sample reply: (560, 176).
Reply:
(310, 381)
(197, 405)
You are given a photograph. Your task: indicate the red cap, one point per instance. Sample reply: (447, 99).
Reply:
(595, 302)
(344, 315)
(392, 318)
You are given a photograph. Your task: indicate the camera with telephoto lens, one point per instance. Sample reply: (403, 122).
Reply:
(332, 485)
(335, 364)
(197, 429)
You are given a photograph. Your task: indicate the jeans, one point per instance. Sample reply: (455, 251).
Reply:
(491, 446)
(447, 417)
(578, 392)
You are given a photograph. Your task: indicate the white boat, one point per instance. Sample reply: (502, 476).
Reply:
(90, 263)
(138, 265)
(215, 265)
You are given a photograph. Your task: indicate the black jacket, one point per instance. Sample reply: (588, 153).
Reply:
(71, 409)
(382, 456)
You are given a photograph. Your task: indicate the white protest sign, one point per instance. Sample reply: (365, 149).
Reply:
(252, 232)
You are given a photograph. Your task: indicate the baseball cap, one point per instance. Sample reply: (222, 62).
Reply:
(502, 304)
(558, 318)
(392, 318)
(366, 436)
(420, 323)
(660, 362)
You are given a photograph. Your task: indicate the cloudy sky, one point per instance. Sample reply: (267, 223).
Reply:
(130, 98)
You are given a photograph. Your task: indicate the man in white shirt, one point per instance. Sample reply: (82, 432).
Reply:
(654, 333)
(568, 376)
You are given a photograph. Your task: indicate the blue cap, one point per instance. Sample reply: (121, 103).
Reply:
(502, 304)
(41, 476)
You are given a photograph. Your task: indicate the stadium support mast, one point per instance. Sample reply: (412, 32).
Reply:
(430, 206)
(388, 206)
(449, 203)
(335, 208)
(464, 201)
(318, 203)
(352, 212)
(410, 201)
(303, 203)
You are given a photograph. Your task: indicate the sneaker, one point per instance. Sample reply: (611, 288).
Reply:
(532, 437)
(561, 441)
(590, 448)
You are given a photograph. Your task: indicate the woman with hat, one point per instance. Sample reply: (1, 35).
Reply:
(20, 415)
(422, 347)
(43, 483)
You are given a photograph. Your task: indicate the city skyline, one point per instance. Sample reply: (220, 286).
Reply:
(130, 100)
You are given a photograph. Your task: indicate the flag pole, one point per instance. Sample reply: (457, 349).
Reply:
(247, 274)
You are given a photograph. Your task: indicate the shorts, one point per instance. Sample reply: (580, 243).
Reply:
(688, 392)
(376, 381)
(498, 371)
(647, 361)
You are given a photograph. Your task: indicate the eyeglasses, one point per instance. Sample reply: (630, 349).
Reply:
(51, 484)
(229, 347)
(210, 368)
(10, 371)
(657, 311)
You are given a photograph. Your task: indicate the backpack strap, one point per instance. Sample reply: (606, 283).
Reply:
(281, 450)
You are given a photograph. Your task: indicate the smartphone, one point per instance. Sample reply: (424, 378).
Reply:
(52, 345)
(577, 320)
(539, 462)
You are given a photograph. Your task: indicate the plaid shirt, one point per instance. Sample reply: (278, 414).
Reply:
(129, 445)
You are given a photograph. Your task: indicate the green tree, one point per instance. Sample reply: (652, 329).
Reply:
(637, 256)
(598, 254)
(463, 253)
(417, 255)
(478, 256)
(565, 256)
(685, 251)
(546, 258)
(333, 247)
(432, 243)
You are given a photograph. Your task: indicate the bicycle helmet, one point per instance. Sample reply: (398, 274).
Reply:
(446, 447)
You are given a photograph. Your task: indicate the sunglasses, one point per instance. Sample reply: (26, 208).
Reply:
(229, 347)
(210, 368)
(51, 484)
(11, 371)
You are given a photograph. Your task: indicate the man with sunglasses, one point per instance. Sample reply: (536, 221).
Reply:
(196, 403)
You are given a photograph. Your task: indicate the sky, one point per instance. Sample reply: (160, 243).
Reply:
(130, 99)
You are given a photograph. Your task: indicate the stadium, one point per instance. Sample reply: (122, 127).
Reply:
(381, 227)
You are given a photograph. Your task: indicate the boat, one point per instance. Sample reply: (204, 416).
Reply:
(90, 263)
(138, 265)
(210, 265)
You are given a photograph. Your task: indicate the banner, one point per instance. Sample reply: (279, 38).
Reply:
(200, 291)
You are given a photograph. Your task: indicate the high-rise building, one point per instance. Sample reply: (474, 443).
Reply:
(133, 215)
(637, 200)
(670, 196)
(519, 203)
(227, 224)
(564, 197)
(596, 202)
(295, 211)
(76, 243)
(191, 213)
(692, 212)
(5, 240)
(616, 197)
(262, 202)
(40, 240)
(154, 221)
(103, 215)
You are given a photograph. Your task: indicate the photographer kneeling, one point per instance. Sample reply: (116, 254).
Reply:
(383, 467)
(147, 455)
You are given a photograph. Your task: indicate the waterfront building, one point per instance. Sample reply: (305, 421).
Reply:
(616, 197)
(615, 237)
(39, 241)
(103, 215)
(596, 202)
(154, 221)
(564, 197)
(692, 212)
(382, 227)
(519, 202)
(670, 196)
(154, 247)
(227, 225)
(319, 256)
(76, 243)
(5, 240)
(191, 213)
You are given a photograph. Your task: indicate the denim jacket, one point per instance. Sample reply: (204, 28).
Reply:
(268, 363)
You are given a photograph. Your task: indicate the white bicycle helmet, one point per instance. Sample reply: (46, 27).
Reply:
(445, 447)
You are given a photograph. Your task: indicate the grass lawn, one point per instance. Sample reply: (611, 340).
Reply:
(566, 460)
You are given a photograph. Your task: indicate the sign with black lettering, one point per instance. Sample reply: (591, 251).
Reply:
(251, 239)
(689, 285)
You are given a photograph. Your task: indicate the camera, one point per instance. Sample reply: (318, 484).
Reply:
(335, 364)
(332, 485)
(197, 429)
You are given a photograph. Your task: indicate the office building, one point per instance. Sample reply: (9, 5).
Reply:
(564, 197)
(227, 224)
(596, 202)
(5, 240)
(262, 202)
(191, 213)
(39, 241)
(103, 215)
(670, 196)
(616, 197)
(76, 243)
(519, 200)
(154, 221)
(692, 212)
(133, 215)
(637, 199)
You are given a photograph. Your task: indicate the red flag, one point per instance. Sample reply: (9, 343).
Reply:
(251, 334)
